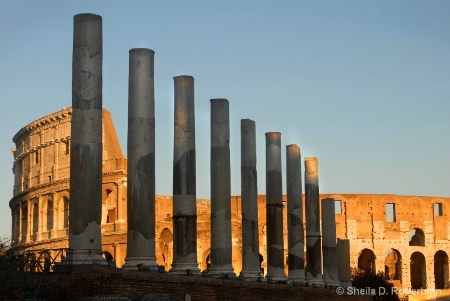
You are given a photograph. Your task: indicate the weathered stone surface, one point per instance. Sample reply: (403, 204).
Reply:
(86, 145)
(274, 208)
(221, 251)
(141, 160)
(296, 269)
(184, 175)
(329, 248)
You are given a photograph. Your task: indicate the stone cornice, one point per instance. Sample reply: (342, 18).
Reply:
(44, 121)
(42, 145)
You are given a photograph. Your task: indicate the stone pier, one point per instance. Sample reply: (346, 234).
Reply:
(274, 208)
(296, 263)
(330, 272)
(343, 255)
(221, 250)
(86, 143)
(184, 179)
(313, 237)
(141, 161)
(251, 268)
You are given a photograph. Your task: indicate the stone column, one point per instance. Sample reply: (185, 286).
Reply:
(330, 272)
(274, 208)
(249, 202)
(343, 255)
(221, 260)
(296, 266)
(141, 162)
(184, 177)
(86, 143)
(313, 237)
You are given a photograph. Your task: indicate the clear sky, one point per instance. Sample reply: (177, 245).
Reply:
(362, 85)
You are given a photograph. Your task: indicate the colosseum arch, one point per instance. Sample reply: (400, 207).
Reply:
(418, 271)
(206, 260)
(62, 214)
(48, 218)
(441, 269)
(393, 265)
(109, 205)
(34, 220)
(366, 261)
(416, 238)
(166, 245)
(24, 229)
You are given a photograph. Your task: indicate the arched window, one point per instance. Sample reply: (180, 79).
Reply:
(49, 215)
(366, 261)
(393, 265)
(416, 238)
(418, 271)
(441, 270)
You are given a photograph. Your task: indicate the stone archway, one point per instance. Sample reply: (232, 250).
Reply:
(440, 269)
(366, 261)
(165, 245)
(416, 238)
(418, 271)
(393, 266)
(206, 260)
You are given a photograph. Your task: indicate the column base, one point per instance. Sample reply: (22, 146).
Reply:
(250, 275)
(297, 275)
(275, 274)
(223, 271)
(318, 281)
(184, 269)
(140, 264)
(88, 260)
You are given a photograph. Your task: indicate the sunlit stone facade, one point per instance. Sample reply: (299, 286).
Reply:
(407, 237)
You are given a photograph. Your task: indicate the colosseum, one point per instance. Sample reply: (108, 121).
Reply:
(407, 237)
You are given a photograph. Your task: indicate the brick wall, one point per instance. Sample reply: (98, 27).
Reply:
(134, 285)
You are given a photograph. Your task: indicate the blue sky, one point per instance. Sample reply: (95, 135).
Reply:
(362, 85)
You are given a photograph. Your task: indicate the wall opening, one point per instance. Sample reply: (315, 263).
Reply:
(165, 245)
(437, 209)
(35, 220)
(366, 261)
(390, 212)
(49, 215)
(109, 207)
(416, 238)
(418, 271)
(440, 270)
(337, 207)
(393, 265)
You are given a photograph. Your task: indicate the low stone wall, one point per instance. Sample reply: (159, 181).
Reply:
(137, 285)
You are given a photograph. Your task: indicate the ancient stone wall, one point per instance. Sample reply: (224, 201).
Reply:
(407, 237)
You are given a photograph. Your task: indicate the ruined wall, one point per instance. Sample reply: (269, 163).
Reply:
(410, 242)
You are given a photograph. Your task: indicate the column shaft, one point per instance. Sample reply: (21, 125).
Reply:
(184, 179)
(330, 273)
(343, 255)
(313, 237)
(296, 269)
(141, 161)
(274, 207)
(86, 142)
(221, 250)
(251, 267)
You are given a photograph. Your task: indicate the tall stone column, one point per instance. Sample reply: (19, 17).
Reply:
(274, 208)
(296, 264)
(86, 142)
(221, 250)
(330, 269)
(343, 255)
(251, 268)
(141, 161)
(313, 236)
(184, 177)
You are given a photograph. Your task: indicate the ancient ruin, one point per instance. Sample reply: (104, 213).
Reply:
(74, 188)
